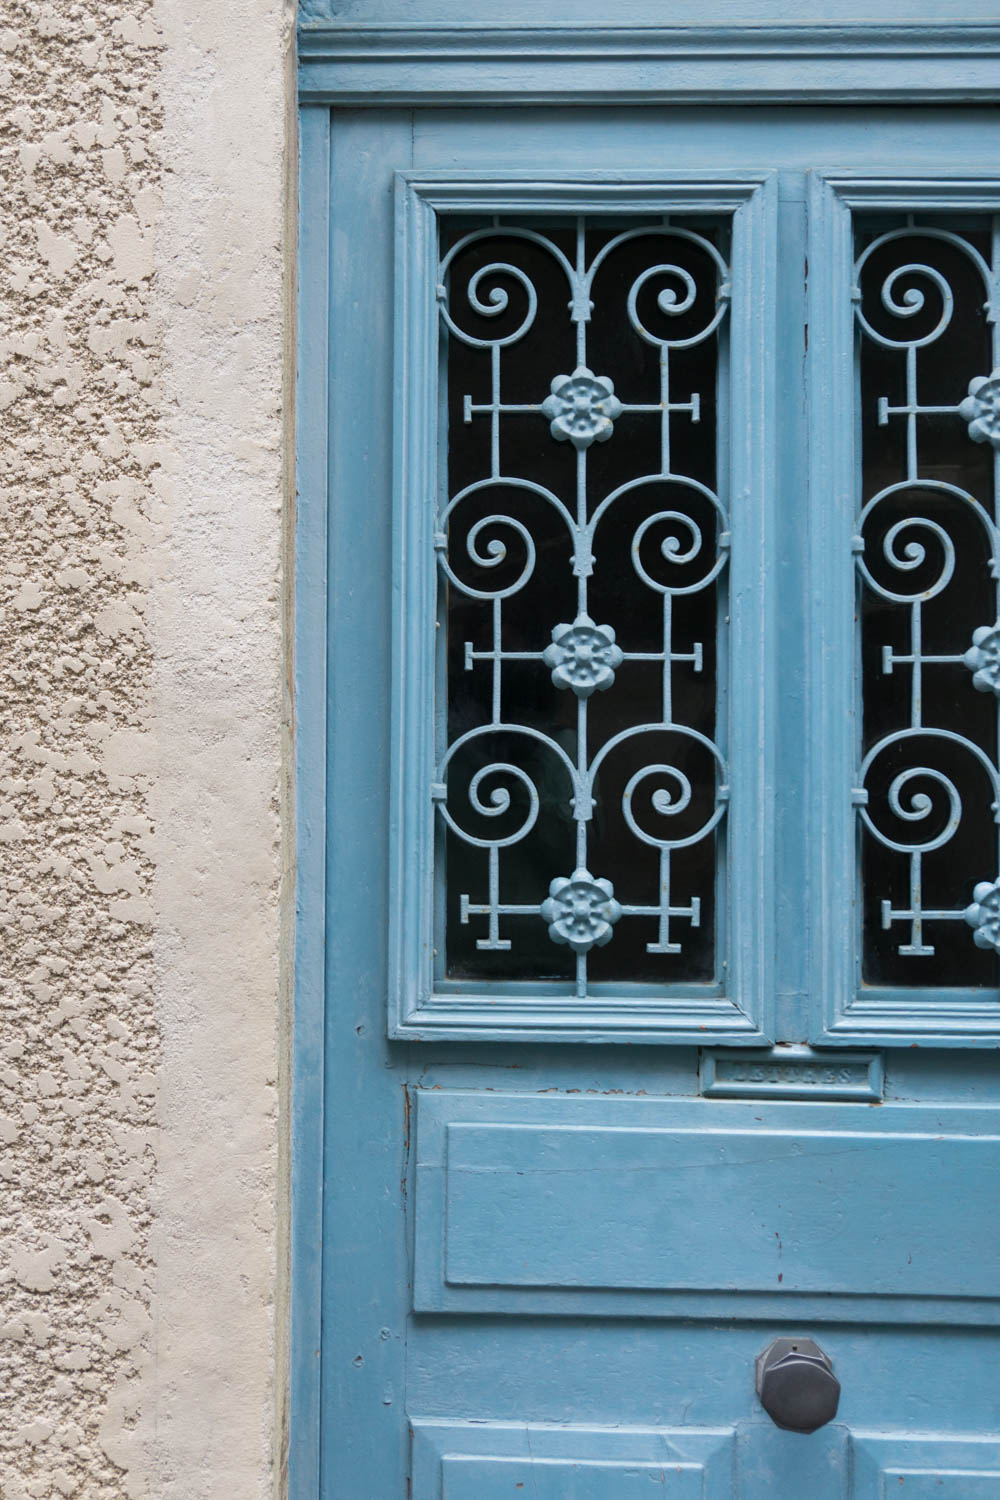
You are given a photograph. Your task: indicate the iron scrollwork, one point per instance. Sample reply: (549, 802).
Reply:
(927, 550)
(677, 549)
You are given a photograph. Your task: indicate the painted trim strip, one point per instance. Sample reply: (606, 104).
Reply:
(489, 65)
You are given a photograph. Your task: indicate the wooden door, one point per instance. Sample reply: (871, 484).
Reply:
(660, 912)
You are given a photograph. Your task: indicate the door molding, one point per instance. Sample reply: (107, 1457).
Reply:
(845, 63)
(309, 716)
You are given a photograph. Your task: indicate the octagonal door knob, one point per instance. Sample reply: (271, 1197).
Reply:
(796, 1385)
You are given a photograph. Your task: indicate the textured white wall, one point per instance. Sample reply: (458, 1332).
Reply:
(143, 283)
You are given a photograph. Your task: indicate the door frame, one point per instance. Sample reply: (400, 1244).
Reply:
(431, 64)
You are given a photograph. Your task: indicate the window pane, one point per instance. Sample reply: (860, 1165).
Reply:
(582, 547)
(929, 640)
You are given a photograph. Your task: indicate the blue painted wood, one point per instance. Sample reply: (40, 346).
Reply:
(772, 1462)
(363, 1236)
(916, 1370)
(570, 54)
(496, 1461)
(583, 1369)
(775, 1463)
(517, 1192)
(874, 142)
(834, 19)
(309, 689)
(924, 1468)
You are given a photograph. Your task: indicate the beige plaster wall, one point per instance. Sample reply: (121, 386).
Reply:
(142, 291)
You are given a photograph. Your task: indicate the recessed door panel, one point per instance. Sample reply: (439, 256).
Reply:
(462, 1461)
(924, 1468)
(519, 1195)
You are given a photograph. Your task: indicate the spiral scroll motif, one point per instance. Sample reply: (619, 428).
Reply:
(928, 789)
(523, 545)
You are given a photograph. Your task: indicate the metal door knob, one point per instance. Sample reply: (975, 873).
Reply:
(796, 1385)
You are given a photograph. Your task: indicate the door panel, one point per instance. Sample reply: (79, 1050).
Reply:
(516, 1192)
(549, 1267)
(926, 1468)
(455, 1461)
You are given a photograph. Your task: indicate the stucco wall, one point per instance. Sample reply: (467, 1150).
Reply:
(142, 279)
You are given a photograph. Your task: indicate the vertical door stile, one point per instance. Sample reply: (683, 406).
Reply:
(833, 737)
(753, 687)
(310, 689)
(415, 627)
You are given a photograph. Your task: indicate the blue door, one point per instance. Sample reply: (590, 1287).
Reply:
(659, 875)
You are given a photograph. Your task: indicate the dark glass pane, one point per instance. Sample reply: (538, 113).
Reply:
(929, 735)
(582, 563)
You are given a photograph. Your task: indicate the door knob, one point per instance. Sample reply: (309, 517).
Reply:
(796, 1385)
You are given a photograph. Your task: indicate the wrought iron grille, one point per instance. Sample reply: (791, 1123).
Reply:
(926, 545)
(582, 539)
